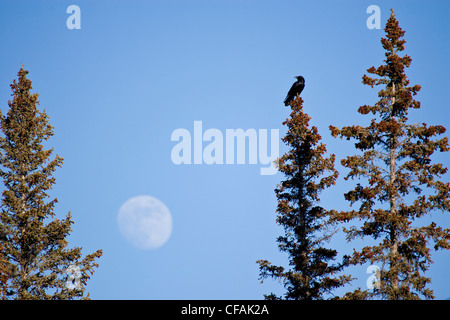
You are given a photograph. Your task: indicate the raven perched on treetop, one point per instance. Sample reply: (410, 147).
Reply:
(296, 88)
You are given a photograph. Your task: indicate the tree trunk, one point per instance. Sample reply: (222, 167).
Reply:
(393, 211)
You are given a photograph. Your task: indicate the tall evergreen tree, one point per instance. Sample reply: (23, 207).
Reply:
(312, 275)
(33, 240)
(402, 181)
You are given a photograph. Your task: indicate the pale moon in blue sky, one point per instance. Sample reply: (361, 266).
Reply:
(145, 222)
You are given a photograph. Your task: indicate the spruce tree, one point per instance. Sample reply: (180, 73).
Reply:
(307, 172)
(401, 181)
(33, 240)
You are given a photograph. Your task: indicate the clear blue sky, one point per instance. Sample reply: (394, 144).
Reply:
(117, 88)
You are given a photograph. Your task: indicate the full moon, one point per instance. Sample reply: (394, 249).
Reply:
(145, 222)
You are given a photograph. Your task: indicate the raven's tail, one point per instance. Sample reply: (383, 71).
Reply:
(287, 101)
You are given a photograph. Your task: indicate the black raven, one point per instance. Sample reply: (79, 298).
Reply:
(296, 88)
